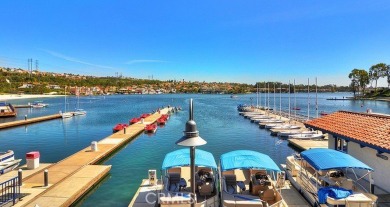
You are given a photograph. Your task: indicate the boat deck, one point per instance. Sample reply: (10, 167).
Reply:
(308, 144)
(73, 176)
(292, 197)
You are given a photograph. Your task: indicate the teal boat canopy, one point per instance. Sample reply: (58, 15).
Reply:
(181, 158)
(327, 159)
(247, 159)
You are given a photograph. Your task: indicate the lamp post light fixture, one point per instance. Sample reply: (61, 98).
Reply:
(191, 139)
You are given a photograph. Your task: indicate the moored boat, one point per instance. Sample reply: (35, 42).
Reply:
(79, 112)
(7, 110)
(249, 178)
(286, 133)
(134, 120)
(174, 187)
(161, 121)
(150, 128)
(330, 177)
(8, 161)
(306, 136)
(119, 127)
(143, 116)
(286, 127)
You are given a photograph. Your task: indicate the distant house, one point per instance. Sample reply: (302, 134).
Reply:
(26, 85)
(365, 136)
(55, 87)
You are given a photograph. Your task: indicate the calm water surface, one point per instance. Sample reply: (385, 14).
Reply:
(216, 117)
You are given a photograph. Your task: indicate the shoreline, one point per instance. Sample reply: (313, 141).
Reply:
(25, 96)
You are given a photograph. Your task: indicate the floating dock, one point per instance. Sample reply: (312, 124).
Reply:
(72, 177)
(29, 121)
(22, 106)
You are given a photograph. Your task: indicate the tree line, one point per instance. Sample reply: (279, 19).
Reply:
(360, 78)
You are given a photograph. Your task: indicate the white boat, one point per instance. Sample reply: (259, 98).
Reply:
(38, 104)
(306, 136)
(79, 111)
(66, 114)
(250, 178)
(272, 125)
(271, 121)
(8, 162)
(332, 178)
(287, 133)
(286, 127)
(175, 188)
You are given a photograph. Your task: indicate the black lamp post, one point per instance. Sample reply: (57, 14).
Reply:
(191, 139)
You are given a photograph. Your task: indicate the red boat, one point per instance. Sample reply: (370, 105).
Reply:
(161, 121)
(165, 116)
(296, 108)
(119, 127)
(134, 120)
(151, 128)
(144, 116)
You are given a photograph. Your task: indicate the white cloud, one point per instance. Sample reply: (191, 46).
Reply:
(75, 60)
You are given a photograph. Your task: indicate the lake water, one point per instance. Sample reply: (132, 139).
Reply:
(216, 117)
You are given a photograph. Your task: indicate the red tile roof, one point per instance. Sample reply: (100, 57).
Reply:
(371, 130)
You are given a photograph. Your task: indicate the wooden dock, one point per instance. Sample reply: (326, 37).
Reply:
(291, 197)
(29, 121)
(22, 106)
(73, 176)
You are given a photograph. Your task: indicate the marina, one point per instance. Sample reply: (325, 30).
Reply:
(122, 159)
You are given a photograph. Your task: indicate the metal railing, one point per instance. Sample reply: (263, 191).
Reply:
(10, 191)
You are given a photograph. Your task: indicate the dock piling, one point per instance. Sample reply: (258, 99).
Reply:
(46, 177)
(20, 177)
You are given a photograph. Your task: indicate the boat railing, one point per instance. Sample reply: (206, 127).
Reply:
(11, 107)
(10, 191)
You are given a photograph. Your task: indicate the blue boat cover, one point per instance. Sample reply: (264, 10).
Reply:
(246, 159)
(326, 159)
(333, 192)
(181, 157)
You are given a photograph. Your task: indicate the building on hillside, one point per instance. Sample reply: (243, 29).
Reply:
(26, 85)
(365, 136)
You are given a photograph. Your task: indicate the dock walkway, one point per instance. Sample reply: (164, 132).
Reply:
(29, 121)
(71, 177)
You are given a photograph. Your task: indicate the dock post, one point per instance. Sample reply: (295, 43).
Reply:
(124, 130)
(46, 178)
(20, 177)
(25, 117)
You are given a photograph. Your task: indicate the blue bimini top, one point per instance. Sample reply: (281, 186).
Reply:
(326, 159)
(181, 158)
(247, 159)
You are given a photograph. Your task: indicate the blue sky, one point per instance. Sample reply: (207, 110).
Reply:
(214, 40)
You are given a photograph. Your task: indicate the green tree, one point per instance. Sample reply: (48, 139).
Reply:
(377, 71)
(388, 75)
(360, 79)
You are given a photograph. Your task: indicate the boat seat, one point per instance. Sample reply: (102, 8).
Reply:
(347, 184)
(206, 189)
(231, 184)
(267, 195)
(173, 181)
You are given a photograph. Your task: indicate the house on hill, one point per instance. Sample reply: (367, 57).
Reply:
(365, 136)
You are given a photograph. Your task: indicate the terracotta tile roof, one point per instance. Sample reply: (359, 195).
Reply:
(371, 130)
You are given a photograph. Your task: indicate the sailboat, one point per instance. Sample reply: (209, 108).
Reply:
(66, 114)
(78, 111)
